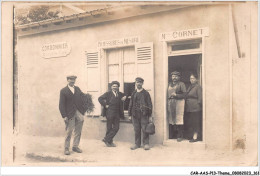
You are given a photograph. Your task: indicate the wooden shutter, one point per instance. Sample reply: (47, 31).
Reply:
(144, 66)
(93, 78)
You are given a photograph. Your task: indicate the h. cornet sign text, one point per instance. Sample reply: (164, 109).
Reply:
(184, 34)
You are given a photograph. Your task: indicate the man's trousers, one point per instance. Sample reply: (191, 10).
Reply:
(113, 119)
(75, 123)
(140, 121)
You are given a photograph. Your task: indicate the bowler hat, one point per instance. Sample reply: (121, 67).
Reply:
(71, 77)
(139, 79)
(150, 128)
(115, 82)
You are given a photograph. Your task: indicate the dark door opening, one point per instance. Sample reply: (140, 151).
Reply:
(185, 64)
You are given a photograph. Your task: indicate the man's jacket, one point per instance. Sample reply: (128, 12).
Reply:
(106, 98)
(145, 104)
(70, 102)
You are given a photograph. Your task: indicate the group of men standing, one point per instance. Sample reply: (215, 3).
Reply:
(140, 111)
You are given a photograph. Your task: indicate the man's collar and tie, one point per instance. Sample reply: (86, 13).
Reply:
(115, 93)
(72, 88)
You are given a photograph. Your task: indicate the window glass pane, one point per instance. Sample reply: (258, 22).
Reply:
(185, 46)
(129, 55)
(129, 72)
(113, 73)
(113, 56)
(129, 85)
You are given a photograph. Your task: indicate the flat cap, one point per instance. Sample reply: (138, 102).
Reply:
(139, 79)
(176, 73)
(71, 77)
(115, 82)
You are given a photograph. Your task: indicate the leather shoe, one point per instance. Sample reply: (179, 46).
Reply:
(193, 140)
(112, 144)
(66, 152)
(76, 149)
(179, 139)
(135, 147)
(107, 144)
(146, 147)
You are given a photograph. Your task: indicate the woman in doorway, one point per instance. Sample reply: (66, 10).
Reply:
(176, 102)
(193, 108)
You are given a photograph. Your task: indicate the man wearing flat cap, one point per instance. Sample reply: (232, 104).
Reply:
(176, 94)
(112, 101)
(140, 111)
(72, 111)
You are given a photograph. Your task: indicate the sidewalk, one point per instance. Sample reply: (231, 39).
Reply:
(44, 151)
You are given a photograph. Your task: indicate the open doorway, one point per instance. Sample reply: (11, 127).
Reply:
(186, 64)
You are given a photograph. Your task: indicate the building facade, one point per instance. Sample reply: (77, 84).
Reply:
(215, 40)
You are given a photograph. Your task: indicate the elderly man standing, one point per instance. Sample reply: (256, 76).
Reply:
(176, 102)
(72, 111)
(112, 101)
(140, 111)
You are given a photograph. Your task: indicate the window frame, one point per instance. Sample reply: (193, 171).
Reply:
(120, 65)
(121, 68)
(184, 51)
(104, 66)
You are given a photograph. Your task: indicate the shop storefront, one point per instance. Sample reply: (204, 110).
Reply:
(120, 44)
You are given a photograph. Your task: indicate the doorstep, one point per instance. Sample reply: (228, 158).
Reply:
(185, 144)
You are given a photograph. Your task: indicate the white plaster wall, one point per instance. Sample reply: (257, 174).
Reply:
(40, 80)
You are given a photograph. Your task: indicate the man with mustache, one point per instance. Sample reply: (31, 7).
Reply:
(176, 102)
(112, 101)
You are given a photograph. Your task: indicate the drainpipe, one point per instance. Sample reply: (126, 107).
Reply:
(231, 30)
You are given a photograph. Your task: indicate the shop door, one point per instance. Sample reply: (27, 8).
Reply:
(185, 64)
(184, 56)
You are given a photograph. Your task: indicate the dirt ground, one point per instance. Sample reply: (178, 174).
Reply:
(48, 151)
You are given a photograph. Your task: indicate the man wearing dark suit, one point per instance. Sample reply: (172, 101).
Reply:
(112, 101)
(72, 111)
(140, 111)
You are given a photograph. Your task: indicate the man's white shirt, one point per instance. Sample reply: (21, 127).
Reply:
(72, 89)
(114, 93)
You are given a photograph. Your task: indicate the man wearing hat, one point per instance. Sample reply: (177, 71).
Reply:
(140, 111)
(112, 101)
(176, 94)
(72, 111)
